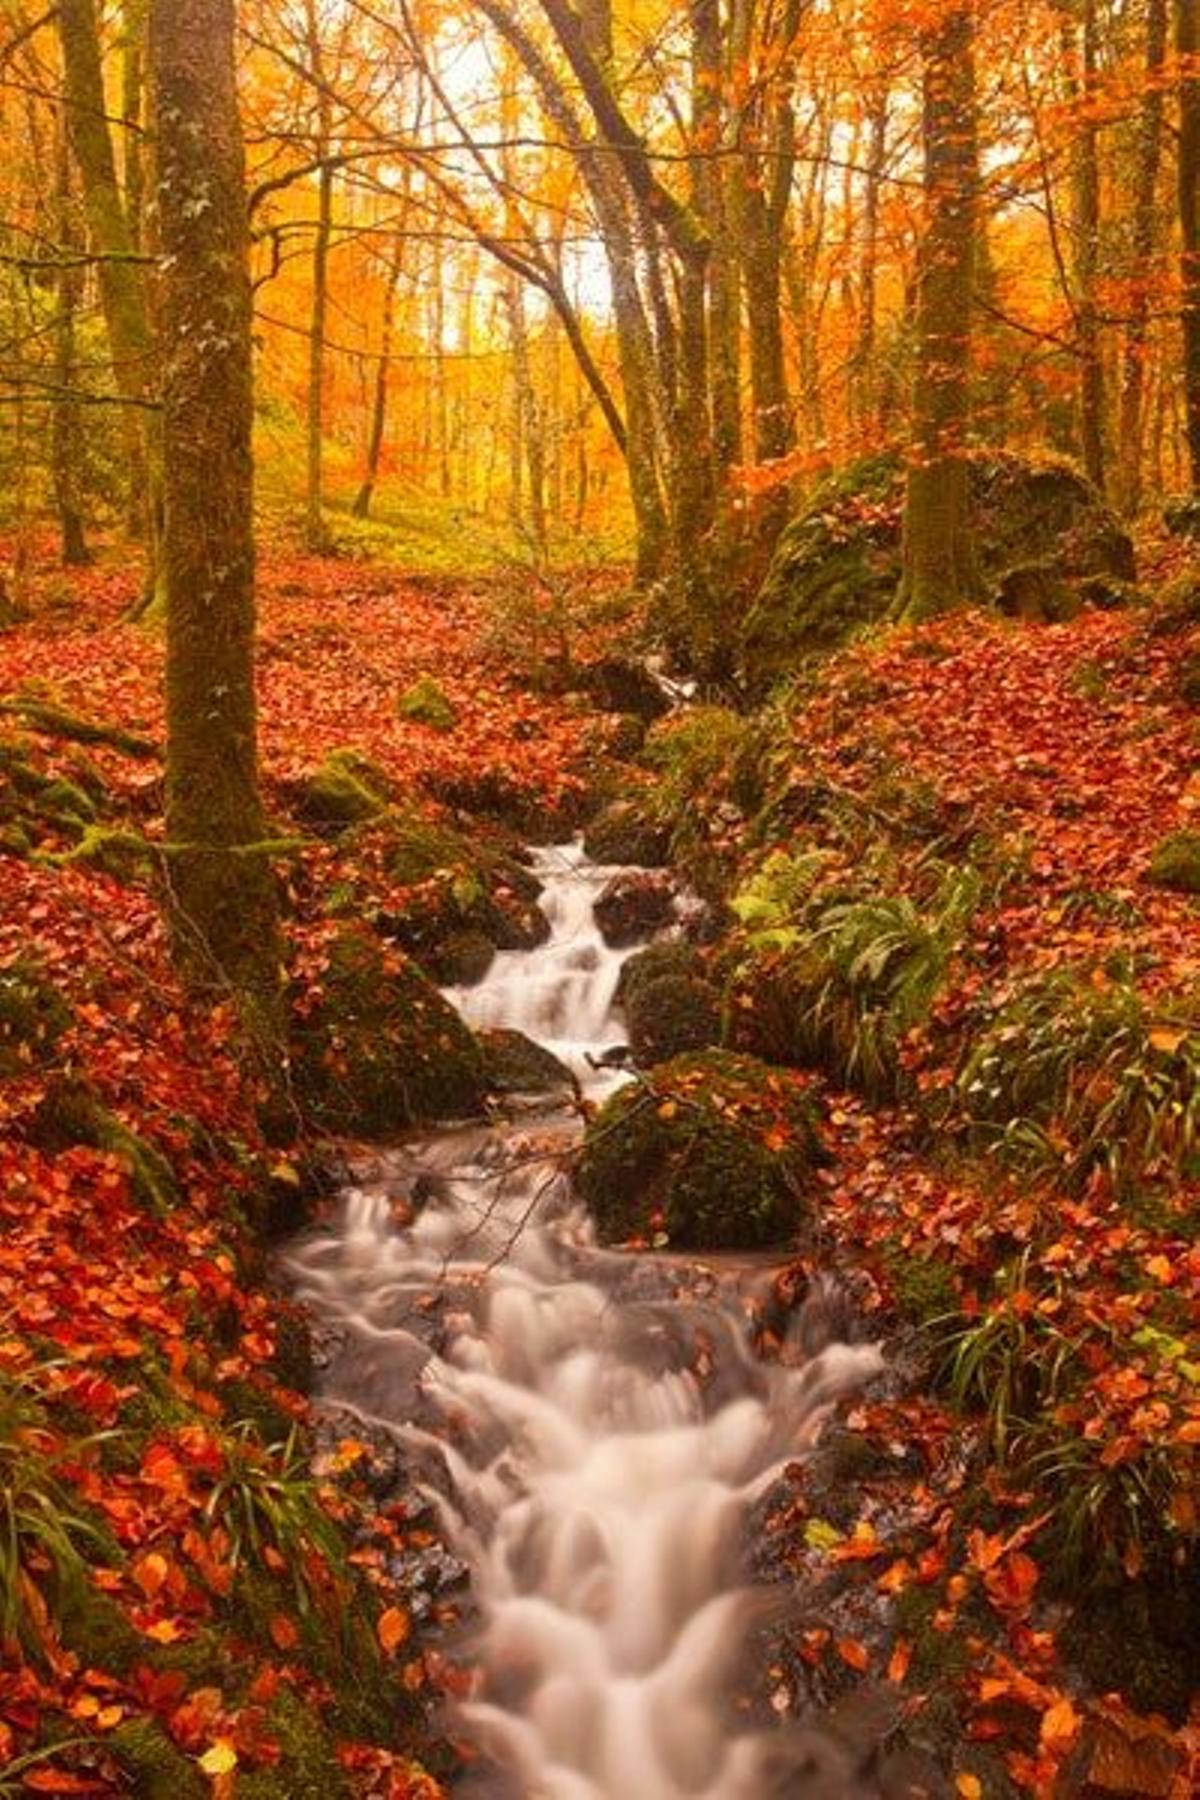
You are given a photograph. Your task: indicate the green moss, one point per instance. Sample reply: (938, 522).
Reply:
(343, 791)
(720, 1147)
(71, 1113)
(124, 855)
(56, 721)
(462, 958)
(378, 1049)
(670, 956)
(670, 1015)
(34, 1015)
(66, 801)
(426, 703)
(923, 1290)
(308, 1767)
(627, 832)
(156, 1769)
(95, 1628)
(1176, 862)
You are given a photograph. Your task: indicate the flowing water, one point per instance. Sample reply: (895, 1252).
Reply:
(592, 1427)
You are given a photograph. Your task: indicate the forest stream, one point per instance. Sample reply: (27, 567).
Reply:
(592, 1426)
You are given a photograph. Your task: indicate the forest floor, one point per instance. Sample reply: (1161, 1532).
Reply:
(176, 1618)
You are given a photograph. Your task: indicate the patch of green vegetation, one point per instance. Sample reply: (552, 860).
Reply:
(1077, 1070)
(1176, 862)
(923, 1288)
(628, 832)
(156, 1769)
(34, 1016)
(345, 790)
(52, 720)
(670, 1015)
(125, 855)
(308, 1767)
(720, 1149)
(427, 703)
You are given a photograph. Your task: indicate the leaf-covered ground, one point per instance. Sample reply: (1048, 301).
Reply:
(184, 1620)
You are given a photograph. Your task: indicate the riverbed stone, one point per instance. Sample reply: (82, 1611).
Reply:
(635, 904)
(710, 1151)
(375, 1047)
(515, 1064)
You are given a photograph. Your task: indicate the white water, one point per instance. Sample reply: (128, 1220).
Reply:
(592, 1428)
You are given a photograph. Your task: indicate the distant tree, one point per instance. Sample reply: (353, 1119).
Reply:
(223, 901)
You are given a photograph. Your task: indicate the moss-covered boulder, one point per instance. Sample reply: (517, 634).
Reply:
(668, 956)
(670, 1015)
(713, 1151)
(375, 1048)
(344, 790)
(462, 958)
(628, 832)
(515, 1064)
(427, 703)
(458, 892)
(1176, 862)
(837, 565)
(33, 1017)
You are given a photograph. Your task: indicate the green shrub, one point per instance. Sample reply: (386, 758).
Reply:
(1176, 862)
(1076, 1071)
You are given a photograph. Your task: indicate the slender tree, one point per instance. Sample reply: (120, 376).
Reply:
(939, 561)
(1187, 44)
(222, 889)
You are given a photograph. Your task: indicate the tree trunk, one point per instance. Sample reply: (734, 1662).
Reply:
(939, 561)
(379, 395)
(1142, 247)
(1086, 182)
(66, 440)
(1187, 44)
(223, 899)
(316, 535)
(122, 287)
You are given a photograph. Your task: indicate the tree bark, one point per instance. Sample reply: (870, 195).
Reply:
(66, 441)
(939, 561)
(1187, 44)
(1143, 243)
(379, 391)
(223, 900)
(1086, 182)
(121, 281)
(316, 534)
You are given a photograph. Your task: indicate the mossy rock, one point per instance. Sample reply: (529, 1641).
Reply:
(1175, 863)
(717, 1151)
(670, 956)
(427, 703)
(627, 832)
(1037, 591)
(457, 887)
(34, 1015)
(416, 848)
(1142, 1637)
(515, 1064)
(345, 790)
(377, 1049)
(836, 567)
(156, 1769)
(670, 1015)
(71, 1114)
(462, 959)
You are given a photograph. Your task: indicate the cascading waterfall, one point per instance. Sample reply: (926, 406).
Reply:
(591, 1426)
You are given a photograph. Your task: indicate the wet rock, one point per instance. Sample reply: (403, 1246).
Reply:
(516, 1065)
(344, 790)
(620, 684)
(634, 905)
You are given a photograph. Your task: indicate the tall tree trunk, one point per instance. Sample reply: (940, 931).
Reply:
(1187, 44)
(1143, 241)
(939, 561)
(379, 392)
(865, 392)
(133, 25)
(223, 900)
(122, 287)
(1086, 185)
(316, 534)
(66, 442)
(710, 201)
